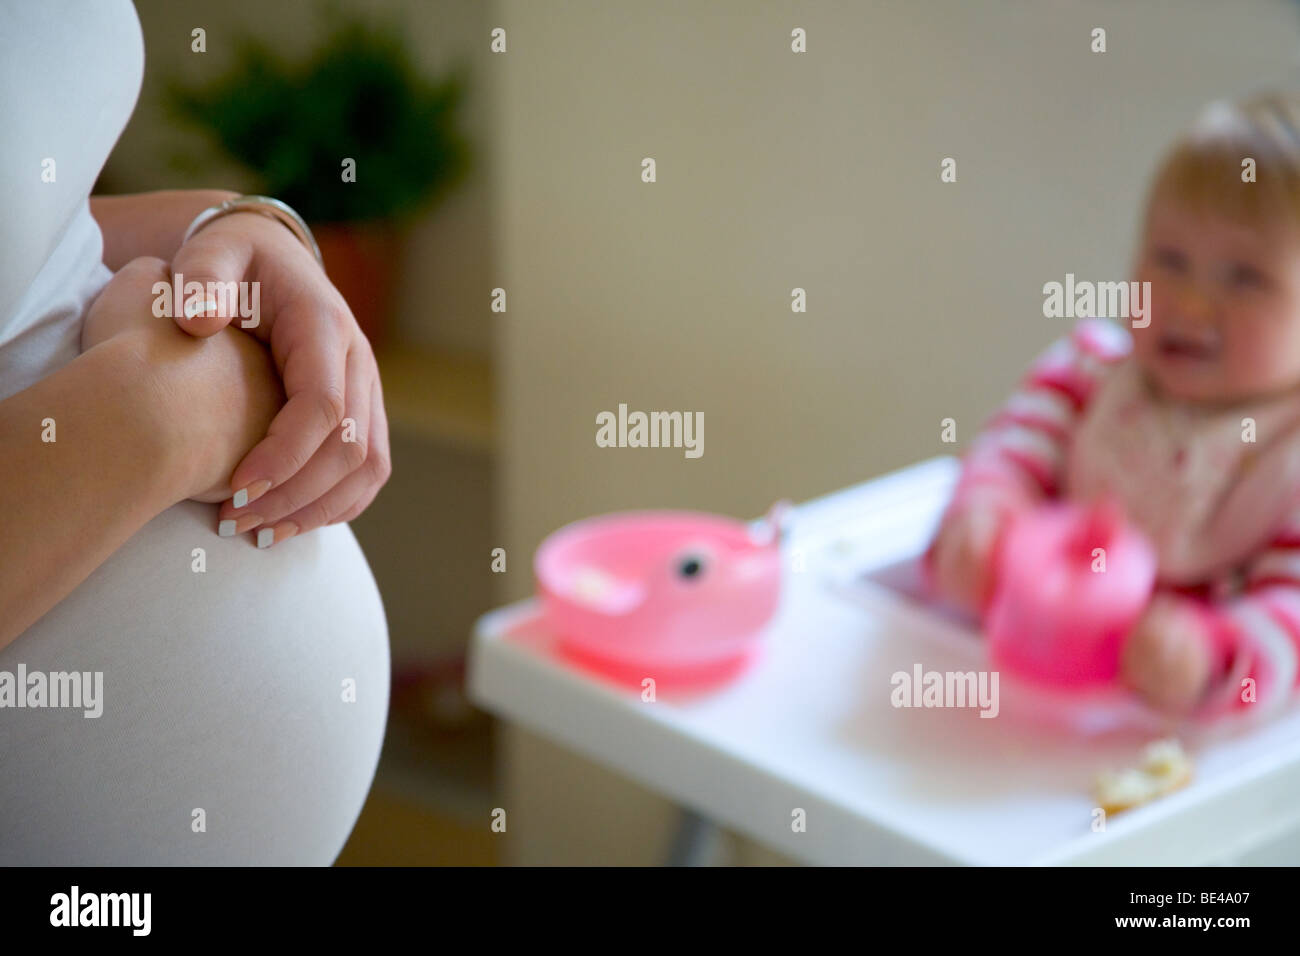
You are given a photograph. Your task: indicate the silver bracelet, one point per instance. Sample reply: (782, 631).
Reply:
(273, 208)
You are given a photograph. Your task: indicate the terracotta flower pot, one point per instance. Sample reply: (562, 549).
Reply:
(361, 259)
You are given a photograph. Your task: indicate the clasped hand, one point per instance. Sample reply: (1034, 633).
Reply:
(285, 418)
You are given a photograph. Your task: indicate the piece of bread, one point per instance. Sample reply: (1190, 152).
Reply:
(1164, 769)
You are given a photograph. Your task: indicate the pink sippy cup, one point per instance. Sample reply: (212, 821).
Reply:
(1056, 616)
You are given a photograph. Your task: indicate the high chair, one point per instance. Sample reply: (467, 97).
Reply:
(806, 753)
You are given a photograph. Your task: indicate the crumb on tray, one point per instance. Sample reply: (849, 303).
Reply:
(1165, 768)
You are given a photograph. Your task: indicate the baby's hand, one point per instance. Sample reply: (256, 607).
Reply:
(964, 549)
(1166, 658)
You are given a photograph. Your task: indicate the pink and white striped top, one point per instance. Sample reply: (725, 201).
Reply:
(1216, 489)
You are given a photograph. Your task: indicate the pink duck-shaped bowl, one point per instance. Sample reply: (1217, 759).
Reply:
(677, 596)
(1072, 582)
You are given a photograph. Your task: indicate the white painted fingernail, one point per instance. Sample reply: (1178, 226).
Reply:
(195, 306)
(226, 528)
(265, 537)
(241, 498)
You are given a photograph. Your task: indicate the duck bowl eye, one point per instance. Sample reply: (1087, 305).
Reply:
(690, 567)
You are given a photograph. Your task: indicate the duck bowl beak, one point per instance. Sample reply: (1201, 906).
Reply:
(773, 527)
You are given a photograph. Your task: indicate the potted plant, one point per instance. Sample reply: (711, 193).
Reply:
(358, 102)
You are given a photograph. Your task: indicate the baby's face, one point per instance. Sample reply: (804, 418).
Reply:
(1225, 306)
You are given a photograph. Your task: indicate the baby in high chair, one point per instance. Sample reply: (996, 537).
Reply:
(1191, 423)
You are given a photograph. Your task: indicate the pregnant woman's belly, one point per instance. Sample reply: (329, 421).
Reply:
(243, 706)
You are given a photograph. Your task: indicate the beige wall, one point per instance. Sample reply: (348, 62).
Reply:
(820, 171)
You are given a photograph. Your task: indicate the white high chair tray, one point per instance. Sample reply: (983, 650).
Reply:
(810, 724)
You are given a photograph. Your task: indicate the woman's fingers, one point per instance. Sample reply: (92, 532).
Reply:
(218, 266)
(351, 496)
(342, 453)
(383, 466)
(358, 490)
(315, 380)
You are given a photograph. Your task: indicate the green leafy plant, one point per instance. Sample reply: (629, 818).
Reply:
(358, 97)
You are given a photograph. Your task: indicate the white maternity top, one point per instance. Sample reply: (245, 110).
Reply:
(243, 706)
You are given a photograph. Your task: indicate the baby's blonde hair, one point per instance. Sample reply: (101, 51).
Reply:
(1204, 167)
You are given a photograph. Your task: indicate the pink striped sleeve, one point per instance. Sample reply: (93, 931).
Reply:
(1022, 447)
(1257, 633)
(1020, 451)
